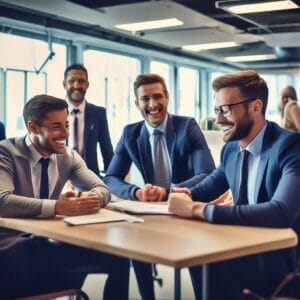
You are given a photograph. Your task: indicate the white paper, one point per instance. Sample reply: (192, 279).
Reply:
(103, 216)
(138, 207)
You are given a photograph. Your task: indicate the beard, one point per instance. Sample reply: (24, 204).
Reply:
(242, 128)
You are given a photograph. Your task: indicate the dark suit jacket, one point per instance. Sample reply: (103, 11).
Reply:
(191, 159)
(277, 193)
(96, 131)
(2, 131)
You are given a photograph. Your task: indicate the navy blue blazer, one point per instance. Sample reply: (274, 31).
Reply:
(96, 131)
(2, 131)
(191, 159)
(277, 193)
(277, 188)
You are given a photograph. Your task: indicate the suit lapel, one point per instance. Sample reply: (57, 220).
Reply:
(89, 123)
(233, 164)
(145, 156)
(170, 139)
(264, 157)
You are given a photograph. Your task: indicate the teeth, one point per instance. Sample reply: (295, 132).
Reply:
(226, 128)
(153, 112)
(61, 142)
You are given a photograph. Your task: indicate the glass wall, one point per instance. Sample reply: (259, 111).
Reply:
(188, 93)
(111, 78)
(20, 77)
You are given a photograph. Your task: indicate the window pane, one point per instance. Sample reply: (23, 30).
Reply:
(14, 104)
(111, 79)
(188, 92)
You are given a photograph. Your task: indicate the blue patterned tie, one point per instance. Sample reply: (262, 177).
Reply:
(44, 187)
(243, 190)
(162, 176)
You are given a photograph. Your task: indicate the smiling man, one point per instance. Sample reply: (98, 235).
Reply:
(91, 120)
(260, 163)
(166, 149)
(33, 171)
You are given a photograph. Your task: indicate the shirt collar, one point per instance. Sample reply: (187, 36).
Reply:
(81, 106)
(162, 127)
(256, 145)
(35, 155)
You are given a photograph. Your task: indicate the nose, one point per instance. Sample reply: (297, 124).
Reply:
(219, 118)
(76, 84)
(152, 102)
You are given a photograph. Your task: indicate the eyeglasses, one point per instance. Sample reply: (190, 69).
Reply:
(225, 110)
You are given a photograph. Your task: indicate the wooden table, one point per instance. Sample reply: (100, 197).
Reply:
(167, 240)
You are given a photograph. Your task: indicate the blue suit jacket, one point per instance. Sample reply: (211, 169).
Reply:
(96, 131)
(277, 194)
(190, 157)
(2, 131)
(277, 184)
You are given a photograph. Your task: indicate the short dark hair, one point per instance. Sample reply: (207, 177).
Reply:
(251, 85)
(75, 67)
(37, 108)
(145, 79)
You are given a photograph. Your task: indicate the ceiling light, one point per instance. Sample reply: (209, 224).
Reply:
(150, 24)
(237, 7)
(250, 57)
(207, 46)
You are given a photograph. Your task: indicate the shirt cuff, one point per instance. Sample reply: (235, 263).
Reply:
(48, 209)
(208, 212)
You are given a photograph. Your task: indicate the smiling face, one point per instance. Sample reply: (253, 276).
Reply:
(51, 136)
(76, 85)
(152, 103)
(240, 123)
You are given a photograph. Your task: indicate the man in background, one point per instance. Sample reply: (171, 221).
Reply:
(260, 163)
(88, 122)
(31, 264)
(167, 150)
(2, 131)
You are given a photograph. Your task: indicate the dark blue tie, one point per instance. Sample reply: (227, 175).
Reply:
(243, 190)
(162, 176)
(44, 187)
(75, 132)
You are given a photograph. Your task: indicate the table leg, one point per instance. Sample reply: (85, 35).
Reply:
(177, 287)
(205, 284)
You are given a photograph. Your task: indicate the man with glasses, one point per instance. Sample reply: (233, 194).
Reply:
(260, 163)
(31, 264)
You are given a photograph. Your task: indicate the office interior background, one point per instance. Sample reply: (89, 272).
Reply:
(39, 39)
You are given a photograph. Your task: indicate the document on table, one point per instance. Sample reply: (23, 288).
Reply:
(138, 207)
(103, 216)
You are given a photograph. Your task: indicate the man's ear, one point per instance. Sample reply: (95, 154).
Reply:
(64, 84)
(32, 127)
(257, 105)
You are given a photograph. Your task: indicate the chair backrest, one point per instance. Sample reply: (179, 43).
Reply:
(215, 143)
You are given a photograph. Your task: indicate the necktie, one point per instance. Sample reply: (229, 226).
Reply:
(44, 187)
(243, 192)
(75, 130)
(162, 176)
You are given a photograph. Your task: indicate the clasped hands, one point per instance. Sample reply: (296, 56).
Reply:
(73, 203)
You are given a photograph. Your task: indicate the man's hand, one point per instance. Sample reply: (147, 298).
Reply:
(182, 205)
(181, 190)
(70, 204)
(224, 200)
(150, 193)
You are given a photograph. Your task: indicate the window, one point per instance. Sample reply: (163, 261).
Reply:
(111, 78)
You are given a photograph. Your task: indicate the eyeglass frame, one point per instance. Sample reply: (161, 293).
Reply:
(227, 114)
